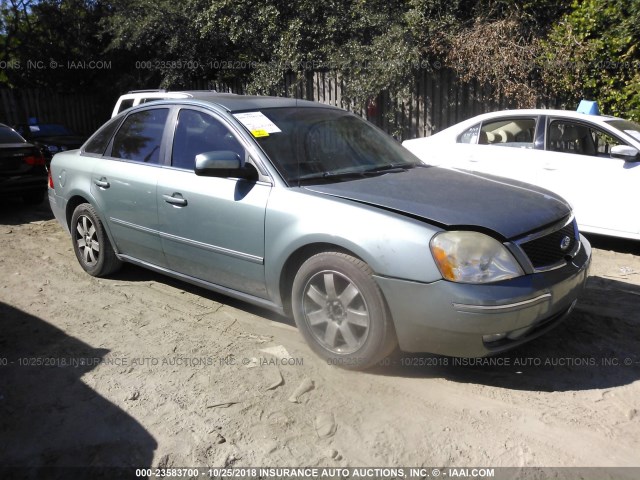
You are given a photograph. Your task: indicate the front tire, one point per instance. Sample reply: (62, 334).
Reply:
(341, 312)
(91, 244)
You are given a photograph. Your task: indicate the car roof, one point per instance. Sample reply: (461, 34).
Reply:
(549, 112)
(236, 103)
(153, 94)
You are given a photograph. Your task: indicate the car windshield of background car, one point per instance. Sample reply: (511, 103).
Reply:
(630, 128)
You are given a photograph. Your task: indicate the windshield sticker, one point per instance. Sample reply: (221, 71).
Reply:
(259, 133)
(257, 123)
(634, 133)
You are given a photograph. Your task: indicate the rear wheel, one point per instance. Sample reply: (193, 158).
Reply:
(341, 312)
(91, 244)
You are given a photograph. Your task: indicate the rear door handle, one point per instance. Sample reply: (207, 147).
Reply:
(102, 183)
(175, 199)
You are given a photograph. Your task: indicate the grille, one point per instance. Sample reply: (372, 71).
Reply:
(546, 251)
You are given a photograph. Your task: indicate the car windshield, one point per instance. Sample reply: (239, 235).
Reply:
(7, 135)
(310, 145)
(627, 126)
(48, 130)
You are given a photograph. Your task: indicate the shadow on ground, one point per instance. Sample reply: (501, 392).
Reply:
(15, 212)
(620, 245)
(587, 351)
(133, 273)
(49, 418)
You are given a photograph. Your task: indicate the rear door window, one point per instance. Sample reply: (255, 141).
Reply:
(513, 132)
(140, 136)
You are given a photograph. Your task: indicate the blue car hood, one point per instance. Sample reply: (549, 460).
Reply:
(454, 198)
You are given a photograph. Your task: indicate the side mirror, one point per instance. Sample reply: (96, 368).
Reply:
(209, 163)
(223, 163)
(626, 153)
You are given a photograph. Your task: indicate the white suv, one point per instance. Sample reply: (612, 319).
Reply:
(136, 97)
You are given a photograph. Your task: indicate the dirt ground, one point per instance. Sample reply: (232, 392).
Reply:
(141, 370)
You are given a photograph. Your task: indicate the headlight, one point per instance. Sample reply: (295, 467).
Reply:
(471, 257)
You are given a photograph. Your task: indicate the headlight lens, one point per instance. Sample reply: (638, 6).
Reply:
(472, 257)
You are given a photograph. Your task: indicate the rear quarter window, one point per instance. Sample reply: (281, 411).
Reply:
(126, 103)
(7, 135)
(470, 135)
(97, 144)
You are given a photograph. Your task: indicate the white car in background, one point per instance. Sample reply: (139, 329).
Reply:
(591, 160)
(137, 97)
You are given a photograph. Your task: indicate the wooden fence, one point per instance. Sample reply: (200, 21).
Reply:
(437, 100)
(82, 113)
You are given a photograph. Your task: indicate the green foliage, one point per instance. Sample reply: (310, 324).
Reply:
(52, 44)
(523, 49)
(592, 52)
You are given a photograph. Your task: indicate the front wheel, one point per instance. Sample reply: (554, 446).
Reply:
(340, 310)
(91, 244)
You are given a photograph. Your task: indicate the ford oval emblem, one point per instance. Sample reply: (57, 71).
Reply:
(565, 243)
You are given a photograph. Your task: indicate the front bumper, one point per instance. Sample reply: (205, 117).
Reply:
(464, 320)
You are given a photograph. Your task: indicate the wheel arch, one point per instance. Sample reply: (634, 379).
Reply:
(72, 204)
(79, 199)
(295, 260)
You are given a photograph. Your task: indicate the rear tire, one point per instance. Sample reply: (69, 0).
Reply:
(91, 244)
(341, 312)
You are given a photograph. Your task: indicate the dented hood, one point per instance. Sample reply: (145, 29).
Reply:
(451, 198)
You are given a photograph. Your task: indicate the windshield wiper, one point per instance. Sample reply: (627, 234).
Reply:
(380, 170)
(331, 175)
(391, 167)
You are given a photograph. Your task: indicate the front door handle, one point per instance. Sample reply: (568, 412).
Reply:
(175, 199)
(102, 183)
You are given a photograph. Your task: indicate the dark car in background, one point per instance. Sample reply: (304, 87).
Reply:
(22, 168)
(51, 138)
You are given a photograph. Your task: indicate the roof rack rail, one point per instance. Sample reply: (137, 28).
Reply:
(161, 90)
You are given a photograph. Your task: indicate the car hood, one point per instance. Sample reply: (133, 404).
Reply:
(454, 198)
